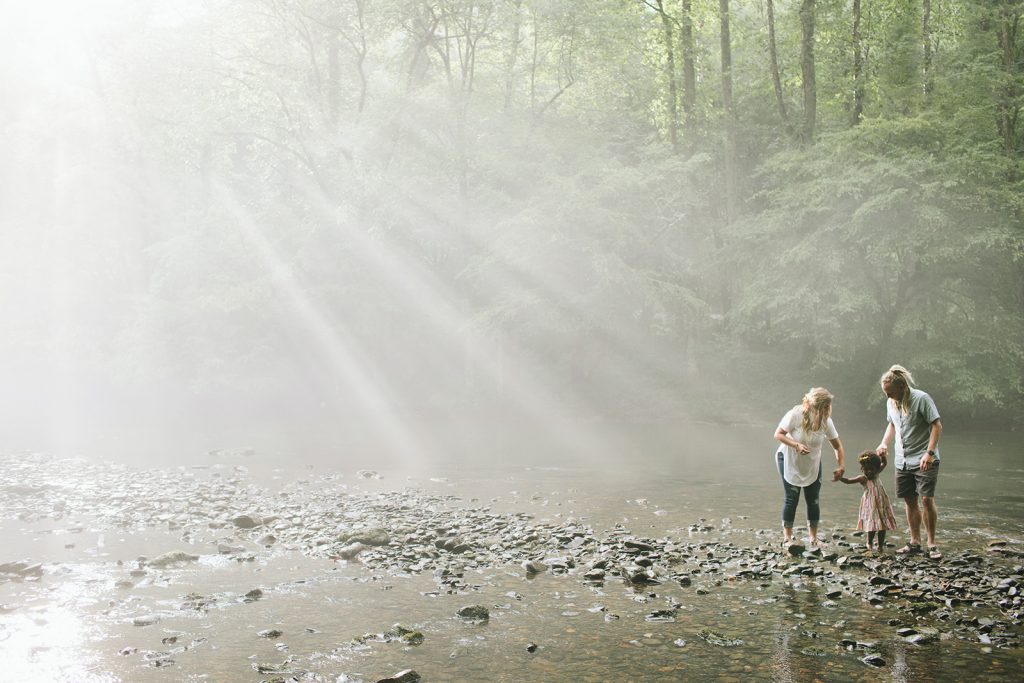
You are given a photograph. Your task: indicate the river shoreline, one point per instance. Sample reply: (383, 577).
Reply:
(191, 523)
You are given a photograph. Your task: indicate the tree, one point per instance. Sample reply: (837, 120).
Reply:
(809, 83)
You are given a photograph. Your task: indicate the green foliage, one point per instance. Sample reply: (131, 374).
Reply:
(327, 185)
(888, 256)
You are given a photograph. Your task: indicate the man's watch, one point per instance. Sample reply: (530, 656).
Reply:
(931, 453)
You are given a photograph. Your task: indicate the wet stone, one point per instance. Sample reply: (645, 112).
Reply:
(172, 558)
(474, 613)
(246, 521)
(874, 659)
(404, 676)
(534, 567)
(639, 545)
(713, 637)
(661, 616)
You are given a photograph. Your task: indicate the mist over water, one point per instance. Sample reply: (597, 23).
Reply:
(517, 278)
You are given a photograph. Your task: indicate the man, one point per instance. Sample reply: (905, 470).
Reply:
(914, 421)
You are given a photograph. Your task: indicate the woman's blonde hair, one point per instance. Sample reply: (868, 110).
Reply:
(900, 378)
(817, 408)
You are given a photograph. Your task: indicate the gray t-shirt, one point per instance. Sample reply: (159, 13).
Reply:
(912, 429)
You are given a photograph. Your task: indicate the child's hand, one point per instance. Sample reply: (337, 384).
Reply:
(836, 475)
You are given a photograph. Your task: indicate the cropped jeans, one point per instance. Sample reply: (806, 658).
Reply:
(811, 493)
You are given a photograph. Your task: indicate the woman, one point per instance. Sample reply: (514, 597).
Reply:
(801, 432)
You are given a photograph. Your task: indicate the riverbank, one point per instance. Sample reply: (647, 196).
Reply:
(156, 550)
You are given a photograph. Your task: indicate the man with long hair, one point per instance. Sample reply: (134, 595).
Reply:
(913, 420)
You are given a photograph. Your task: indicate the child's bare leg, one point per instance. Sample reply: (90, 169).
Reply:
(871, 540)
(881, 541)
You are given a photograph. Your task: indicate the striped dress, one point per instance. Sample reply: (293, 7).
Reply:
(875, 509)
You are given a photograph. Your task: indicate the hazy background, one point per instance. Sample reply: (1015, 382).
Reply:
(384, 225)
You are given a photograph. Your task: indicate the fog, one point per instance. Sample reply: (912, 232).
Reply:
(371, 228)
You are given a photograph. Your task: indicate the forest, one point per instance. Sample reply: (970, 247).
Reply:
(625, 208)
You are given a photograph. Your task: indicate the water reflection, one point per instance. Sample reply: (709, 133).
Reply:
(44, 640)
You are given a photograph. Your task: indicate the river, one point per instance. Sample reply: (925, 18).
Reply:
(92, 611)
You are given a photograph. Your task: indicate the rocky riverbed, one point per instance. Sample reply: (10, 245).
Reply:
(194, 521)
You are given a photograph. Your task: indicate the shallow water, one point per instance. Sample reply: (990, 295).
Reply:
(75, 622)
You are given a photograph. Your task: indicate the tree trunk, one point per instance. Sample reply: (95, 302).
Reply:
(333, 79)
(926, 40)
(689, 69)
(670, 68)
(858, 67)
(726, 53)
(730, 146)
(807, 69)
(728, 113)
(361, 55)
(534, 59)
(773, 56)
(1008, 108)
(513, 54)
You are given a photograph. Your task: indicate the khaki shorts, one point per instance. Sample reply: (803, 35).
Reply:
(915, 483)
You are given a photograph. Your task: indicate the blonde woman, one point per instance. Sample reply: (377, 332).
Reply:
(913, 420)
(801, 433)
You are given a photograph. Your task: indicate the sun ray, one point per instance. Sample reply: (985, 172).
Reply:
(346, 357)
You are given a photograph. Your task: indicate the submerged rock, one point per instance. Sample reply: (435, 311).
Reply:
(713, 637)
(271, 633)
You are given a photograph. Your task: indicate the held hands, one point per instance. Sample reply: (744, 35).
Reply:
(882, 450)
(838, 473)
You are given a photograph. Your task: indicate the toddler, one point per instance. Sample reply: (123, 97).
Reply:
(875, 516)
